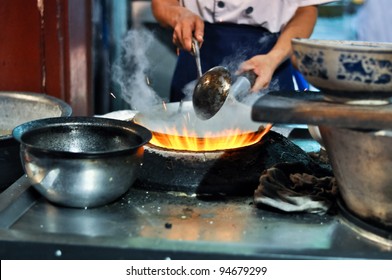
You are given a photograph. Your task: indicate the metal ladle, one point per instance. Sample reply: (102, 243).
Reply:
(196, 53)
(213, 89)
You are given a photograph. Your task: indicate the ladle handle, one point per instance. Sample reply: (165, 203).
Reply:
(196, 54)
(251, 76)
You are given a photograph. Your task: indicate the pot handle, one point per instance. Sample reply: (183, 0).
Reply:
(250, 75)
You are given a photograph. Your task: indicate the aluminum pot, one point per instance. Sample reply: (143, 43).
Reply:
(81, 161)
(17, 108)
(362, 164)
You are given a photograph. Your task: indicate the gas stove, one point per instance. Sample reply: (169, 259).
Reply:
(223, 172)
(172, 224)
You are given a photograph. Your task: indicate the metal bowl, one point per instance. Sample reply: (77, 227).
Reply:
(362, 165)
(17, 108)
(349, 68)
(81, 161)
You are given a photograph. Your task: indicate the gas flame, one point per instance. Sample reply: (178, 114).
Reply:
(174, 126)
(186, 140)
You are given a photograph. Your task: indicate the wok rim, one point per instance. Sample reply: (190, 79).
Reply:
(148, 119)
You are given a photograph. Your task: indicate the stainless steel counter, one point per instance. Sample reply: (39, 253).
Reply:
(165, 225)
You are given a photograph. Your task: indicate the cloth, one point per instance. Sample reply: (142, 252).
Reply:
(292, 187)
(270, 14)
(228, 45)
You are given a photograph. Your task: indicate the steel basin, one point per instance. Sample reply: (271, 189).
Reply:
(362, 164)
(81, 161)
(15, 109)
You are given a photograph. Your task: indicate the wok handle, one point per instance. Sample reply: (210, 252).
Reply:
(250, 75)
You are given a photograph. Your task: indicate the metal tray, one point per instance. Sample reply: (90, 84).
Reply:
(167, 225)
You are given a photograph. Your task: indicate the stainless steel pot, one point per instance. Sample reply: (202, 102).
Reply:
(81, 161)
(362, 164)
(17, 108)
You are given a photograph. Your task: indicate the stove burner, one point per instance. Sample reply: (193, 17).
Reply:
(229, 172)
(368, 229)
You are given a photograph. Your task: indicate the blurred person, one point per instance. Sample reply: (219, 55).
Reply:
(257, 33)
(374, 21)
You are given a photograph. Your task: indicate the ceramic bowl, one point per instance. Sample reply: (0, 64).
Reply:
(351, 68)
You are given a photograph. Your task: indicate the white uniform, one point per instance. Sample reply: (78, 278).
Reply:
(270, 14)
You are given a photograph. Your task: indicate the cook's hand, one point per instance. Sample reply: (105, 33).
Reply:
(187, 26)
(263, 66)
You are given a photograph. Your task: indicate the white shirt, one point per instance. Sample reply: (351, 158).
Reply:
(270, 14)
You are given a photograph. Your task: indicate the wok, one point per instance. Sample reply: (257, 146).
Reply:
(17, 108)
(232, 116)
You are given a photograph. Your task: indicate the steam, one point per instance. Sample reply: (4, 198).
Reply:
(251, 98)
(188, 90)
(233, 62)
(130, 72)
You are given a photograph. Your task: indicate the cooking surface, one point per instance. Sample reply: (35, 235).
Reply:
(163, 225)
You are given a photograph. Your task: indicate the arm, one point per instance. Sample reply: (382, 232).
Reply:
(185, 24)
(300, 26)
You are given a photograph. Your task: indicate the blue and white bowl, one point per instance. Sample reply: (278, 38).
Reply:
(346, 67)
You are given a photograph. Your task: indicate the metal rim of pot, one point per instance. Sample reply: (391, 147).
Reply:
(23, 130)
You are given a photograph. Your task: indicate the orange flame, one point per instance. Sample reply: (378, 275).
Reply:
(224, 140)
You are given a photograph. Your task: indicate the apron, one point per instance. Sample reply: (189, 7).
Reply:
(229, 45)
